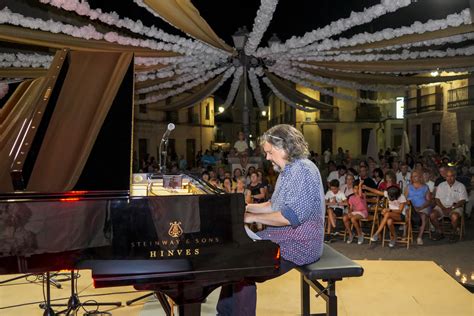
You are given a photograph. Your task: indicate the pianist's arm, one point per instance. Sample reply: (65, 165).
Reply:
(274, 218)
(265, 207)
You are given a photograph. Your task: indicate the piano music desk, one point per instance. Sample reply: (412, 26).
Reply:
(331, 267)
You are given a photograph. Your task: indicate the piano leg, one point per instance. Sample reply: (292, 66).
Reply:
(192, 309)
(164, 303)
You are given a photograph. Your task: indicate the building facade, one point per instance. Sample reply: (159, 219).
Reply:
(439, 115)
(194, 130)
(347, 124)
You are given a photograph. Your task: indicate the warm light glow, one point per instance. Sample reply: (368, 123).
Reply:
(464, 278)
(458, 272)
(435, 73)
(264, 113)
(69, 199)
(472, 276)
(221, 109)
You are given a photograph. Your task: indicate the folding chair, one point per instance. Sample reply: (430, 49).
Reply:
(407, 237)
(373, 206)
(448, 229)
(328, 225)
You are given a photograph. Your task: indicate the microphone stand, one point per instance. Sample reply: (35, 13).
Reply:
(161, 152)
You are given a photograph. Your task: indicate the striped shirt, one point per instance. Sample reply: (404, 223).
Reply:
(299, 196)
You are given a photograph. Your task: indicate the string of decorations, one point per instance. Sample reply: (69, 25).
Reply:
(83, 8)
(233, 87)
(188, 85)
(260, 25)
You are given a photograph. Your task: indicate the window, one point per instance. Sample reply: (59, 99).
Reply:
(400, 107)
(172, 116)
(325, 98)
(207, 112)
(366, 94)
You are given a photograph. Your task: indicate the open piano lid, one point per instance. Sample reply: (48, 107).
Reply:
(72, 129)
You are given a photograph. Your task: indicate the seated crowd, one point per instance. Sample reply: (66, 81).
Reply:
(435, 187)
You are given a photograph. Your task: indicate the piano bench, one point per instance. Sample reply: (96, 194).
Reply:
(331, 267)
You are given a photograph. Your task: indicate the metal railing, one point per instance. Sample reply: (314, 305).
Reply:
(424, 103)
(461, 97)
(368, 113)
(331, 114)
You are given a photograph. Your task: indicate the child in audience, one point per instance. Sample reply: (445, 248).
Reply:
(335, 202)
(357, 211)
(394, 213)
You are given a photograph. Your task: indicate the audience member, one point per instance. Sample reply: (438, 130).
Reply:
(241, 145)
(403, 176)
(335, 203)
(450, 198)
(357, 211)
(394, 213)
(419, 196)
(256, 189)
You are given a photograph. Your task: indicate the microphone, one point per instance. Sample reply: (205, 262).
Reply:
(170, 128)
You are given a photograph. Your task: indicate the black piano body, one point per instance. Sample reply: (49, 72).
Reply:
(184, 246)
(66, 200)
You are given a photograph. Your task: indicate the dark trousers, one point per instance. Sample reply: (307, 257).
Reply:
(240, 299)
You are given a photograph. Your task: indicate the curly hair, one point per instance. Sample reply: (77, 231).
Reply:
(289, 139)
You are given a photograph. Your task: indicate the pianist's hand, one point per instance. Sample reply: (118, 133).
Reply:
(249, 218)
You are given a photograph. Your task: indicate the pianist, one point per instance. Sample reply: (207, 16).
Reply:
(294, 216)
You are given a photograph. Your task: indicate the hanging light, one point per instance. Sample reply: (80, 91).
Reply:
(273, 40)
(435, 73)
(264, 113)
(221, 109)
(240, 37)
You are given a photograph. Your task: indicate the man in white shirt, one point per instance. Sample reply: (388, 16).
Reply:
(339, 174)
(450, 198)
(241, 145)
(403, 177)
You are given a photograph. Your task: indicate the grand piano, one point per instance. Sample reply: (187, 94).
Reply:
(70, 201)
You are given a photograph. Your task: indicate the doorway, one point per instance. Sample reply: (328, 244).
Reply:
(326, 139)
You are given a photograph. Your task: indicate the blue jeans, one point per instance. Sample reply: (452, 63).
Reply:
(240, 299)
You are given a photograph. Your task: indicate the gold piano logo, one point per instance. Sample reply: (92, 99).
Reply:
(175, 230)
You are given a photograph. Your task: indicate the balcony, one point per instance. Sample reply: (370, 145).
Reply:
(368, 113)
(461, 97)
(424, 103)
(329, 115)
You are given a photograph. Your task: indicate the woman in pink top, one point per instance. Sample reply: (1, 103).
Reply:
(357, 211)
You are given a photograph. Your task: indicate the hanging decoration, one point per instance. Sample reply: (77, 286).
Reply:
(285, 99)
(233, 87)
(337, 27)
(284, 74)
(82, 8)
(260, 25)
(184, 87)
(20, 60)
(255, 84)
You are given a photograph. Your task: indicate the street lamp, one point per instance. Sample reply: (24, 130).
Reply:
(273, 40)
(240, 38)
